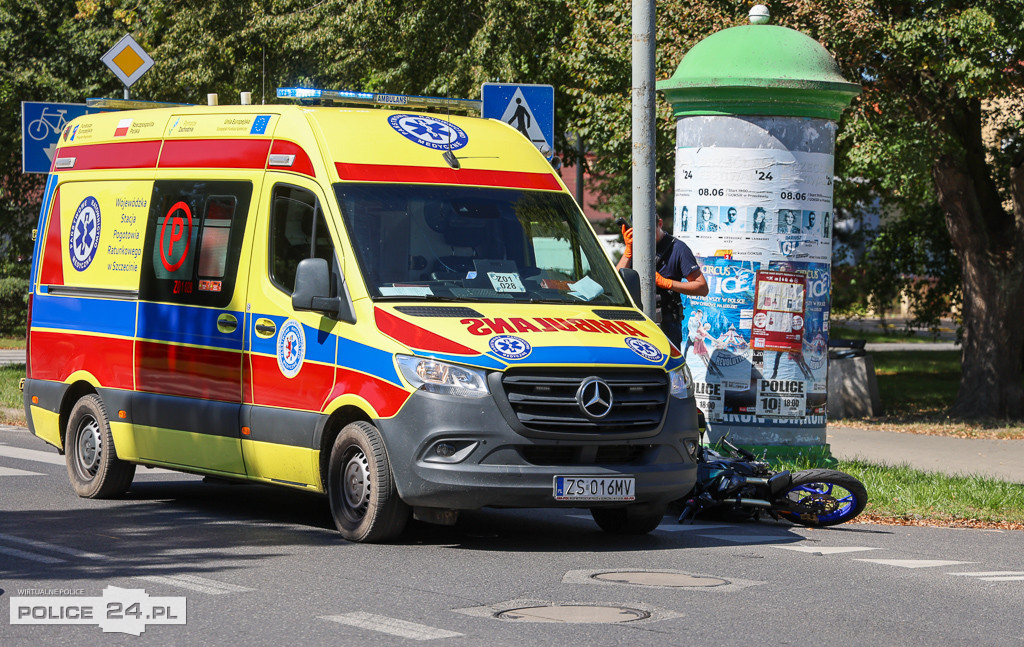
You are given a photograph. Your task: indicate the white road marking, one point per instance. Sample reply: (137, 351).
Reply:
(24, 554)
(195, 583)
(10, 471)
(56, 459)
(827, 550)
(750, 539)
(53, 548)
(392, 626)
(994, 576)
(914, 563)
(31, 455)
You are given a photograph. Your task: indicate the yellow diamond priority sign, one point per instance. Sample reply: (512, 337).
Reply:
(127, 60)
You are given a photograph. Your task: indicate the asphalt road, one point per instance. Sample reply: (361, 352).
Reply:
(252, 565)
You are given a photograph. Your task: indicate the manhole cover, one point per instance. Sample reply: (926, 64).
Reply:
(642, 578)
(574, 613)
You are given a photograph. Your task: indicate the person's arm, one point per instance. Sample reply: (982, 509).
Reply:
(695, 284)
(627, 255)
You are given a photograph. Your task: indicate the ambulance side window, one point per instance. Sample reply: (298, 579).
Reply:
(193, 241)
(297, 232)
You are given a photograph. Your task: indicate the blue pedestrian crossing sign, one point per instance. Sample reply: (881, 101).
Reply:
(530, 109)
(41, 127)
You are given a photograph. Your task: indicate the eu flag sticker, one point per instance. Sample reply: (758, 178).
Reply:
(259, 126)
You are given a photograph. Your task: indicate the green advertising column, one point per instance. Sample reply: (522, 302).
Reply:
(756, 109)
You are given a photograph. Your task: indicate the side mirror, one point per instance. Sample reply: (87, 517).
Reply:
(632, 280)
(313, 291)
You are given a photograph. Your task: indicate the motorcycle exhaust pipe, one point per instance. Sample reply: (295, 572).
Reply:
(757, 503)
(754, 480)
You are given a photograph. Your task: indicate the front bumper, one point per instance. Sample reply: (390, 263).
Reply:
(491, 464)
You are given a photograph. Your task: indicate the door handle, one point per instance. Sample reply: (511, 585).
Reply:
(265, 328)
(227, 323)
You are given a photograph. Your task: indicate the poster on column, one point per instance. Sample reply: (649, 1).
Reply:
(753, 217)
(779, 311)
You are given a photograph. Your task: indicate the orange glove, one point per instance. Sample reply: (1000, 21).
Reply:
(627, 237)
(662, 282)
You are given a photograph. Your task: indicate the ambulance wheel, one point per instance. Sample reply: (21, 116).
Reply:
(361, 487)
(635, 519)
(94, 469)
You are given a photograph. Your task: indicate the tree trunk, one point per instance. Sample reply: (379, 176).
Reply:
(989, 243)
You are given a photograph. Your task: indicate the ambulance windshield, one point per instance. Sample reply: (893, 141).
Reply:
(472, 243)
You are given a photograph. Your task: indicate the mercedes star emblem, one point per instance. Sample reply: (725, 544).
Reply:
(594, 398)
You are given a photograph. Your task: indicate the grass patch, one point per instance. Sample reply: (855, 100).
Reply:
(917, 382)
(12, 410)
(891, 336)
(917, 388)
(904, 493)
(12, 342)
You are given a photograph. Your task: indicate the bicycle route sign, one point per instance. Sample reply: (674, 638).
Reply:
(41, 128)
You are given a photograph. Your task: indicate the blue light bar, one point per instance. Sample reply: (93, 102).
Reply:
(378, 99)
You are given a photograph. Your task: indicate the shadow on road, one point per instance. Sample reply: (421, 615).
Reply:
(172, 526)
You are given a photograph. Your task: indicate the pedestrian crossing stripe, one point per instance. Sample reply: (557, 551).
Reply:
(10, 471)
(391, 626)
(827, 550)
(915, 563)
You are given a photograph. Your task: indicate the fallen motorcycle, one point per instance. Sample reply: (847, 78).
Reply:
(739, 486)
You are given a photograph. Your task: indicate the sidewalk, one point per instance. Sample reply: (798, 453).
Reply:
(1000, 459)
(947, 329)
(15, 356)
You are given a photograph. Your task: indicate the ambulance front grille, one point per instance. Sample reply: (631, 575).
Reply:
(545, 401)
(583, 454)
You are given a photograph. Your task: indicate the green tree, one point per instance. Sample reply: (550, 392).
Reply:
(940, 123)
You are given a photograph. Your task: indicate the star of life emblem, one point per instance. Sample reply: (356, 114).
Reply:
(510, 347)
(291, 348)
(431, 132)
(85, 234)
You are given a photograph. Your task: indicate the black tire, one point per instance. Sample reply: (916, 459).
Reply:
(361, 487)
(94, 469)
(832, 497)
(636, 519)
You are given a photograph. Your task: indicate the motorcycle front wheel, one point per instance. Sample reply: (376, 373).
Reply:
(824, 498)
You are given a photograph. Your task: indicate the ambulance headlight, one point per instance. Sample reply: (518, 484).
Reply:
(433, 376)
(681, 381)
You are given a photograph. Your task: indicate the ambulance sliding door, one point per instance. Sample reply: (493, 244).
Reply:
(290, 359)
(189, 342)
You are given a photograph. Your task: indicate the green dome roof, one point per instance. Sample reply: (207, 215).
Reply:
(762, 70)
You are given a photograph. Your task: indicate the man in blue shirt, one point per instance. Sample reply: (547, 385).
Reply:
(677, 272)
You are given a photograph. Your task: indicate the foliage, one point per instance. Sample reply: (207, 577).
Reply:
(936, 75)
(13, 299)
(910, 255)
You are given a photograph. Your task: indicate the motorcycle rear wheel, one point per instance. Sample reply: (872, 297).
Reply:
(829, 497)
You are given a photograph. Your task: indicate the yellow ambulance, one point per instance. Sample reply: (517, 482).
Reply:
(405, 311)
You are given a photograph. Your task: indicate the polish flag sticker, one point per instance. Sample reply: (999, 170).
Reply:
(122, 127)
